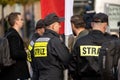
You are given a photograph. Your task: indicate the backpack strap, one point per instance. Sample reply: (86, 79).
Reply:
(7, 34)
(116, 59)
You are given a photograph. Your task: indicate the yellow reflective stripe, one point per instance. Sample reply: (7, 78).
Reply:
(40, 49)
(88, 50)
(30, 47)
(29, 56)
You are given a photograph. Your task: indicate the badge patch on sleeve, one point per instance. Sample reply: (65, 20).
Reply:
(40, 49)
(88, 50)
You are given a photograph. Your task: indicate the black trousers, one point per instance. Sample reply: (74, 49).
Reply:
(90, 78)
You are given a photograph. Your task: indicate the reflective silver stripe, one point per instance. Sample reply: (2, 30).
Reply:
(43, 39)
(104, 59)
(31, 43)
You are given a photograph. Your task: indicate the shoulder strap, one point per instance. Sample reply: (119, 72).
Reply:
(7, 34)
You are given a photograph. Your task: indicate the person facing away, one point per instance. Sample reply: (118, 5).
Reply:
(19, 70)
(78, 27)
(84, 65)
(39, 30)
(51, 54)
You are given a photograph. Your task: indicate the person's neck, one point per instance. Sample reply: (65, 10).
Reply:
(40, 33)
(99, 29)
(16, 28)
(79, 30)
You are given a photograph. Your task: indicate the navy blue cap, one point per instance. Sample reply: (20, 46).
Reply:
(51, 18)
(40, 24)
(100, 17)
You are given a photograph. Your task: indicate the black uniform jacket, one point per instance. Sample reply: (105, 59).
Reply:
(51, 67)
(35, 36)
(85, 55)
(19, 70)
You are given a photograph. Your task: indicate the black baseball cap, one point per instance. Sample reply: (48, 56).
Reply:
(51, 18)
(100, 17)
(40, 24)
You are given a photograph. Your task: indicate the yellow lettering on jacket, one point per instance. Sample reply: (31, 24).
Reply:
(40, 49)
(89, 50)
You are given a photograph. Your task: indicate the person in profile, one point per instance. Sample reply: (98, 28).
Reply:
(19, 70)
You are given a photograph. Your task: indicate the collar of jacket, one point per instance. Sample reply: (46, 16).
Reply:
(96, 32)
(47, 31)
(83, 33)
(12, 29)
(35, 35)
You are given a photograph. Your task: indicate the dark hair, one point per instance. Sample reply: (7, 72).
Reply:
(40, 24)
(78, 21)
(12, 18)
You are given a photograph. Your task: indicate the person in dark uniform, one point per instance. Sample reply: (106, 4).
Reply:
(51, 54)
(84, 65)
(19, 70)
(39, 31)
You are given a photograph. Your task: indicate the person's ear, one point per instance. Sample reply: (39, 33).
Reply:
(104, 26)
(37, 30)
(92, 24)
(52, 26)
(72, 25)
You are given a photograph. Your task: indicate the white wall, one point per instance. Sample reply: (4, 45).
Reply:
(114, 16)
(7, 9)
(100, 4)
